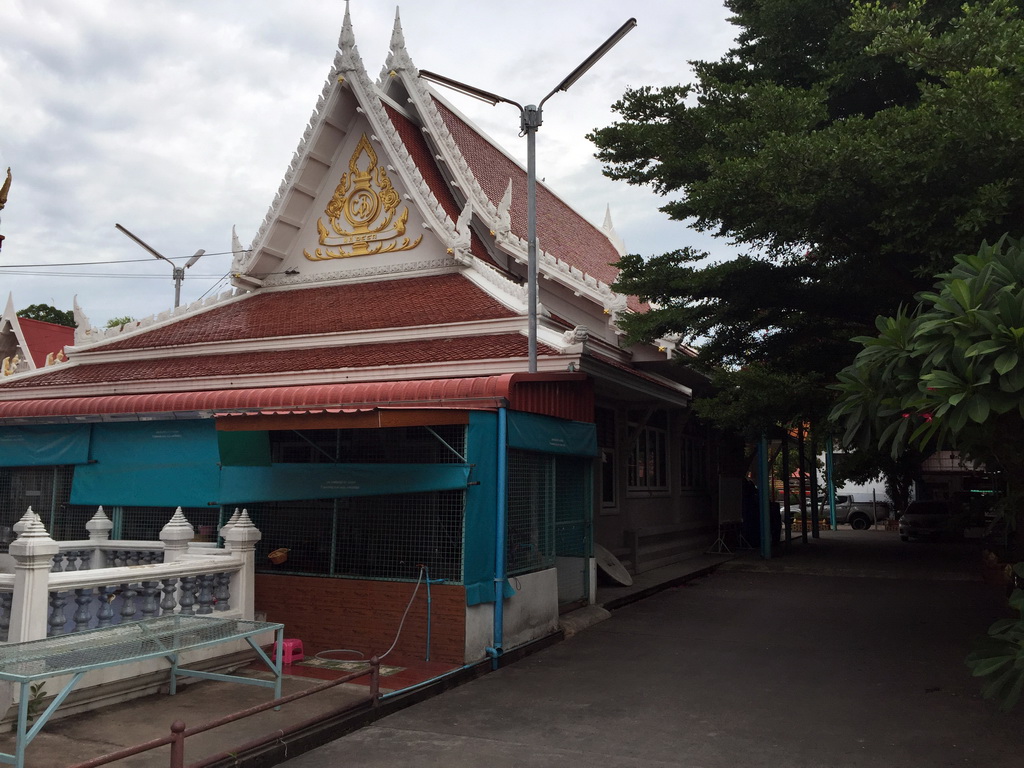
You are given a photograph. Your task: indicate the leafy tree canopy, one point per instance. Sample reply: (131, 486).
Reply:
(848, 147)
(949, 372)
(48, 314)
(115, 322)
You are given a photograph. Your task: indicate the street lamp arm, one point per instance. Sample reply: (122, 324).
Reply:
(591, 60)
(469, 90)
(144, 245)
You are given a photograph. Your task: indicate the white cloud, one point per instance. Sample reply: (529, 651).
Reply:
(177, 119)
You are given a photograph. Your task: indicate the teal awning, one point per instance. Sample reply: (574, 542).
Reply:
(531, 432)
(44, 445)
(150, 464)
(294, 482)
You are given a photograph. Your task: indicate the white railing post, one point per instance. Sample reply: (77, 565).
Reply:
(176, 535)
(227, 526)
(33, 553)
(241, 538)
(99, 528)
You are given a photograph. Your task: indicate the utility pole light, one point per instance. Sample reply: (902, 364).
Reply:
(531, 117)
(178, 273)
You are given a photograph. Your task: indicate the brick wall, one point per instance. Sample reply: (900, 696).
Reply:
(364, 615)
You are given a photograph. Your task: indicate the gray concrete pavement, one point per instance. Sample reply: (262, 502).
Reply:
(845, 652)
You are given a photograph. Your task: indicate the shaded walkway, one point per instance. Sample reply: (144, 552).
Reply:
(846, 653)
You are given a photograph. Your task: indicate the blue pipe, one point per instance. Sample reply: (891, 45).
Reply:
(427, 579)
(501, 513)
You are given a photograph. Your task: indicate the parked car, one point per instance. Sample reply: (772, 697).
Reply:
(933, 520)
(859, 515)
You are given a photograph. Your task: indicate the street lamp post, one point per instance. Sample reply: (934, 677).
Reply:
(531, 117)
(177, 273)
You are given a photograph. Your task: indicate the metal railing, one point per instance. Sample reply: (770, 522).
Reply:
(179, 731)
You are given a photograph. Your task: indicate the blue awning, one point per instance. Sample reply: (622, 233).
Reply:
(294, 482)
(151, 464)
(44, 445)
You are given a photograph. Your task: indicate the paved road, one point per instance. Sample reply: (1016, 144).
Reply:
(855, 661)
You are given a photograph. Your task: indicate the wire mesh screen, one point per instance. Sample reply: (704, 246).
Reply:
(573, 491)
(393, 445)
(46, 490)
(144, 523)
(531, 494)
(376, 537)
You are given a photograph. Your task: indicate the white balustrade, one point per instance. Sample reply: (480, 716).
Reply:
(71, 586)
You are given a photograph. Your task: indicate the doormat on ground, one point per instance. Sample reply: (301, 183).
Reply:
(347, 666)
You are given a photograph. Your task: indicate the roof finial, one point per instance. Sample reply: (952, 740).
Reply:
(82, 324)
(398, 58)
(347, 41)
(609, 231)
(397, 38)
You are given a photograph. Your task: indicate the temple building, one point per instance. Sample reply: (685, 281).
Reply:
(363, 392)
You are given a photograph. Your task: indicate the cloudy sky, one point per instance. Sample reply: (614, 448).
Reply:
(178, 118)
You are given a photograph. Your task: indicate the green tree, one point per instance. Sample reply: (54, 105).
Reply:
(847, 147)
(949, 373)
(48, 314)
(114, 322)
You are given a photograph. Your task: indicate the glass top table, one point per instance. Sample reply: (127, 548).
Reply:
(162, 637)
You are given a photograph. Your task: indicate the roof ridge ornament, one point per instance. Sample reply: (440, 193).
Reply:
(398, 57)
(503, 226)
(463, 242)
(609, 231)
(347, 59)
(82, 325)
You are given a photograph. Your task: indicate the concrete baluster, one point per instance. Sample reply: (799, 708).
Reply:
(58, 619)
(188, 596)
(105, 614)
(128, 593)
(241, 539)
(149, 605)
(206, 583)
(83, 616)
(5, 614)
(222, 594)
(170, 592)
(33, 553)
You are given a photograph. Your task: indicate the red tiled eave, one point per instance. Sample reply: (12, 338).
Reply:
(328, 309)
(485, 392)
(197, 367)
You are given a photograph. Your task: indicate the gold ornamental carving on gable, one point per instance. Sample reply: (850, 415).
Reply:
(363, 216)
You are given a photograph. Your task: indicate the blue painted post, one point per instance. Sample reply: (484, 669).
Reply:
(830, 484)
(499, 535)
(764, 497)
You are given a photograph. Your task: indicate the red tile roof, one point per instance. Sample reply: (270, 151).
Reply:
(43, 338)
(328, 309)
(561, 231)
(412, 138)
(197, 367)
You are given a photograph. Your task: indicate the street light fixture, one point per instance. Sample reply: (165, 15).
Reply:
(178, 273)
(531, 117)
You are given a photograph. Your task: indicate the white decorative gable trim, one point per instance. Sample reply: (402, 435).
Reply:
(497, 218)
(86, 336)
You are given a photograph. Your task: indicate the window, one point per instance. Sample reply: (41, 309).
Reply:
(694, 460)
(648, 455)
(605, 423)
